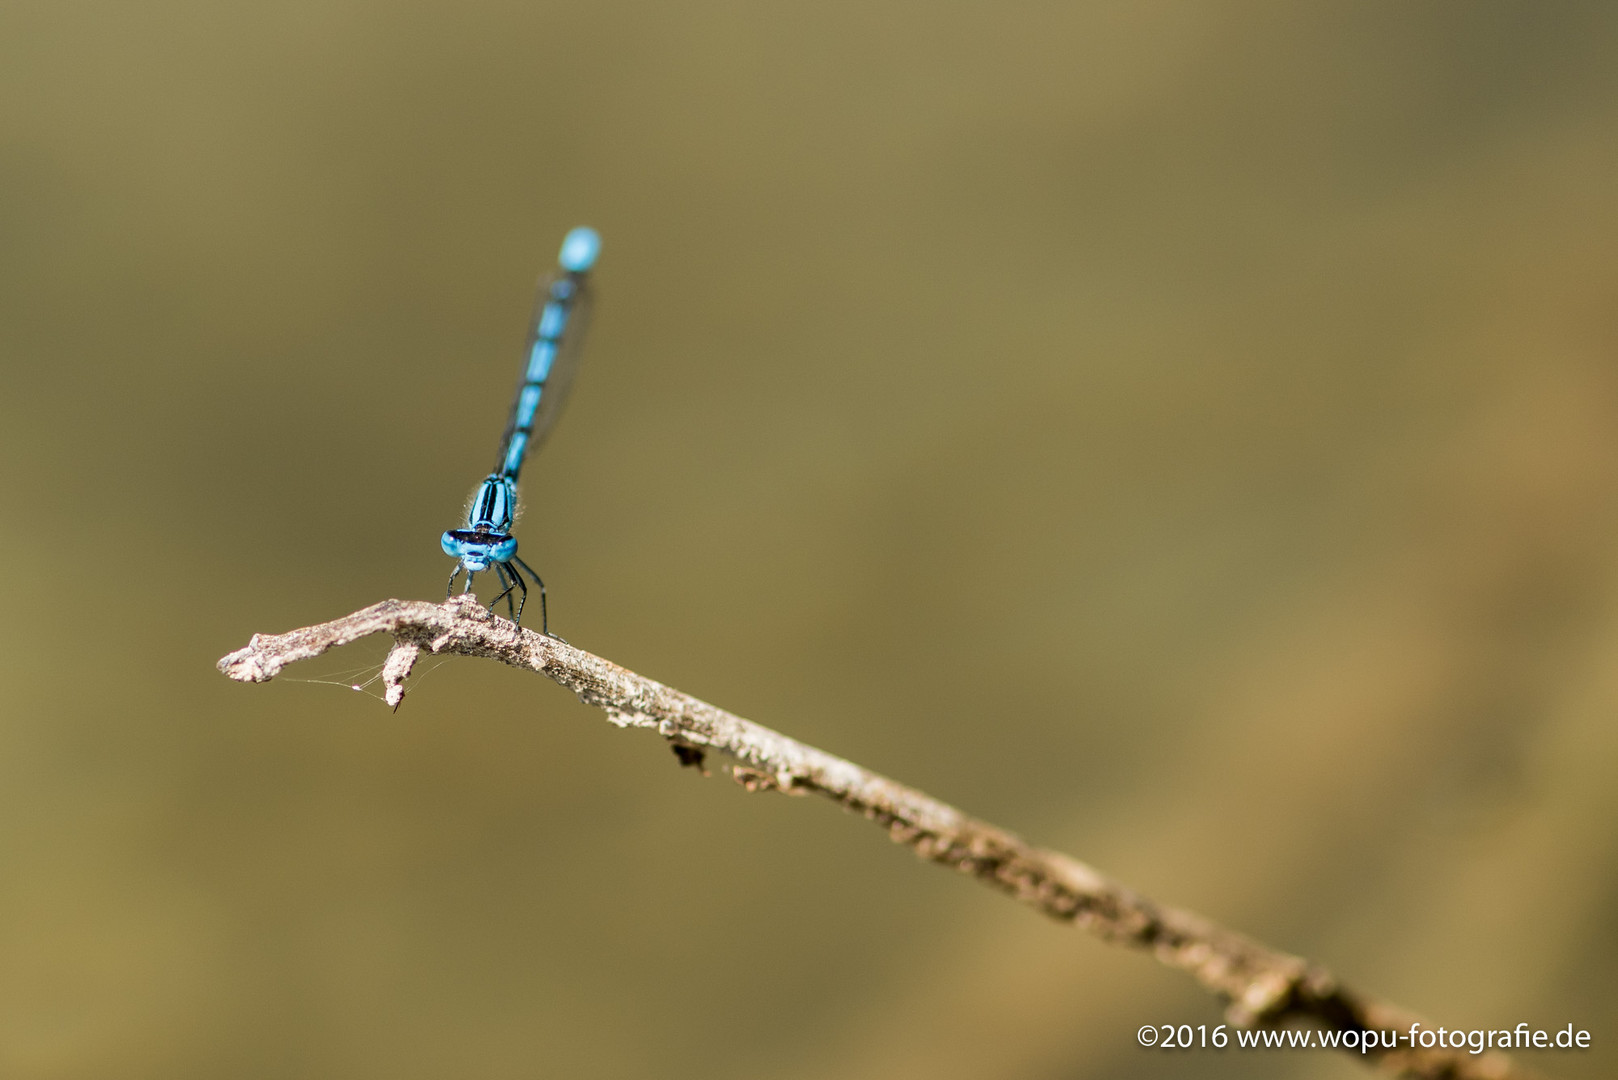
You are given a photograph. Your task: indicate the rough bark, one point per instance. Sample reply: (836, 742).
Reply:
(1262, 987)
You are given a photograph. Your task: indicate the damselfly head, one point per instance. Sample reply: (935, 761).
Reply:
(477, 549)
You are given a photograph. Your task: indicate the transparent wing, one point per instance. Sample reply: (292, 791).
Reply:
(566, 365)
(553, 390)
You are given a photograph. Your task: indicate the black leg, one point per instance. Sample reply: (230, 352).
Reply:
(511, 606)
(468, 588)
(522, 593)
(544, 616)
(450, 589)
(500, 573)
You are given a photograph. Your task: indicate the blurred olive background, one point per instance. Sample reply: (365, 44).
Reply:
(1186, 434)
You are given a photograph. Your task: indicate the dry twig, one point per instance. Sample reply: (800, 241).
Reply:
(1262, 986)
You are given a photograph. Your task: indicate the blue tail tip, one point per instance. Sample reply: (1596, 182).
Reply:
(579, 249)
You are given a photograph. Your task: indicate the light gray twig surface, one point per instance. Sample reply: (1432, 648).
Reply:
(1262, 986)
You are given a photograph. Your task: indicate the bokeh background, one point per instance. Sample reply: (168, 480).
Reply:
(1183, 433)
